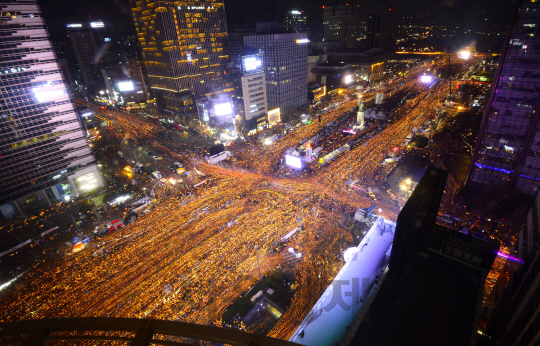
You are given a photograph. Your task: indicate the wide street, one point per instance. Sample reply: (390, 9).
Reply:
(201, 247)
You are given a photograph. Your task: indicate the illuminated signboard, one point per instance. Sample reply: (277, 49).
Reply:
(426, 79)
(106, 39)
(293, 161)
(274, 116)
(126, 86)
(296, 12)
(302, 40)
(347, 79)
(252, 64)
(221, 109)
(74, 25)
(97, 24)
(465, 54)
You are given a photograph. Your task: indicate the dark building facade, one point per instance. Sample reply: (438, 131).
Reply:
(334, 76)
(507, 150)
(382, 30)
(432, 291)
(342, 23)
(295, 22)
(137, 70)
(516, 321)
(185, 49)
(44, 153)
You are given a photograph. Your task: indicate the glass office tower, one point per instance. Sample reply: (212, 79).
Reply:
(44, 154)
(184, 47)
(285, 66)
(507, 151)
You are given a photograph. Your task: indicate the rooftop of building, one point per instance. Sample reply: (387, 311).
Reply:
(326, 322)
(432, 291)
(354, 56)
(432, 304)
(328, 67)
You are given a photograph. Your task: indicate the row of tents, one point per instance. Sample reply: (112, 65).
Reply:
(335, 153)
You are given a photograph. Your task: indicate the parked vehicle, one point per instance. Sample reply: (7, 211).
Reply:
(316, 152)
(157, 175)
(108, 227)
(219, 157)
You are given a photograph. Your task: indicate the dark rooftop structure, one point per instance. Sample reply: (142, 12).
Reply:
(334, 75)
(432, 291)
(355, 57)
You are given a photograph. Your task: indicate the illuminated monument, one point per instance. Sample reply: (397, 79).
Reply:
(184, 46)
(360, 114)
(44, 154)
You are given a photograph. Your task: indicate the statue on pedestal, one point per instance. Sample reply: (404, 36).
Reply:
(360, 115)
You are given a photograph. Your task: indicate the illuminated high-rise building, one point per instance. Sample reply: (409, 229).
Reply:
(507, 150)
(284, 61)
(254, 91)
(84, 48)
(44, 154)
(185, 48)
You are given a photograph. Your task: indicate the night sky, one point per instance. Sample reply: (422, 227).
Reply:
(243, 14)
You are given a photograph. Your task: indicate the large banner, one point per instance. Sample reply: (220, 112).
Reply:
(16, 248)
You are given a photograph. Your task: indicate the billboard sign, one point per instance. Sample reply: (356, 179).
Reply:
(126, 86)
(274, 116)
(293, 161)
(97, 24)
(222, 109)
(252, 64)
(465, 54)
(426, 79)
(302, 40)
(348, 79)
(74, 25)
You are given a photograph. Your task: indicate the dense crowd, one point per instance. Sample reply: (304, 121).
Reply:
(190, 257)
